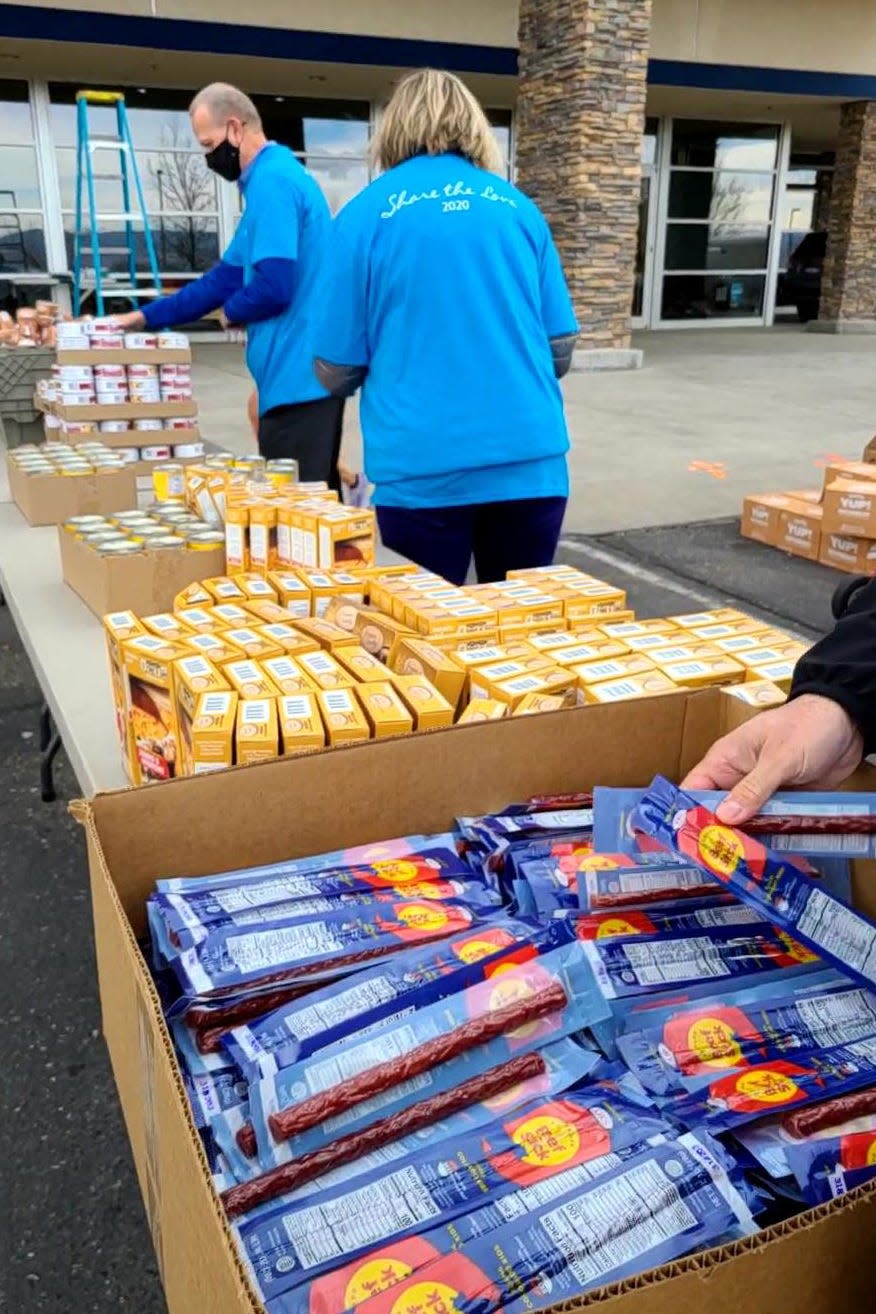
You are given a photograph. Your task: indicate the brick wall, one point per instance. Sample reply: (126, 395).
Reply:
(848, 286)
(580, 119)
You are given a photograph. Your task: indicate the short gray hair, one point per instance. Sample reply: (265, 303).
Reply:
(226, 102)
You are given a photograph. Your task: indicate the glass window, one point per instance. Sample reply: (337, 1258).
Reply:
(716, 246)
(182, 245)
(722, 197)
(712, 296)
(172, 181)
(700, 144)
(22, 244)
(649, 141)
(19, 181)
(22, 230)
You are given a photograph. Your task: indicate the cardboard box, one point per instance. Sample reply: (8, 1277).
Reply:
(800, 530)
(361, 665)
(50, 499)
(760, 516)
(288, 638)
(419, 657)
(847, 470)
(127, 410)
(326, 633)
(556, 680)
(292, 592)
(301, 727)
(345, 721)
(324, 670)
(849, 508)
(212, 731)
(287, 675)
(192, 677)
(855, 555)
(253, 642)
(257, 734)
(809, 1265)
(533, 704)
(377, 632)
(429, 710)
(384, 709)
(193, 595)
(215, 647)
(126, 356)
(758, 693)
(483, 709)
(630, 687)
(144, 582)
(250, 681)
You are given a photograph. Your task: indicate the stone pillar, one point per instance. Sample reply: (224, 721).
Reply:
(848, 282)
(580, 120)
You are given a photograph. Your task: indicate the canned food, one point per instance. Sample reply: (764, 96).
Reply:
(101, 536)
(281, 474)
(143, 425)
(140, 371)
(106, 341)
(145, 533)
(78, 427)
(181, 422)
(169, 482)
(72, 374)
(220, 461)
(113, 426)
(130, 455)
(186, 451)
(107, 372)
(176, 394)
(123, 517)
(205, 539)
(84, 523)
(163, 541)
(69, 398)
(250, 464)
(141, 341)
(173, 341)
(74, 472)
(124, 549)
(154, 453)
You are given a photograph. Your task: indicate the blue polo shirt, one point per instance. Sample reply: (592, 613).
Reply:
(444, 281)
(285, 217)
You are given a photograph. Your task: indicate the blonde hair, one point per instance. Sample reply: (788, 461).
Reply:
(432, 113)
(224, 102)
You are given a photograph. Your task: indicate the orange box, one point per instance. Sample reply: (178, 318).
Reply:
(193, 595)
(292, 592)
(550, 680)
(624, 630)
(532, 704)
(222, 588)
(483, 709)
(327, 635)
(255, 588)
(856, 555)
(250, 681)
(634, 686)
(324, 585)
(230, 616)
(215, 647)
(270, 613)
(236, 535)
(694, 620)
(598, 649)
(699, 672)
(800, 530)
(324, 671)
(484, 679)
(167, 625)
(758, 693)
(377, 633)
(778, 673)
(119, 626)
(727, 629)
(192, 677)
(263, 536)
(199, 620)
(760, 516)
(383, 707)
(360, 664)
(252, 643)
(212, 731)
(287, 675)
(430, 711)
(258, 731)
(288, 638)
(345, 721)
(301, 727)
(147, 662)
(419, 657)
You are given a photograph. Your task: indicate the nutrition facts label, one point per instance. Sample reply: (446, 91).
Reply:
(679, 960)
(263, 950)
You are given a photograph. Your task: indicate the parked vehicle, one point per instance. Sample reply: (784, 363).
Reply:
(801, 284)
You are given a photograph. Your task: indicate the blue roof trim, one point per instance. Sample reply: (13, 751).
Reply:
(178, 34)
(36, 22)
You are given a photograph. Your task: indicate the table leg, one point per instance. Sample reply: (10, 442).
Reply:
(50, 743)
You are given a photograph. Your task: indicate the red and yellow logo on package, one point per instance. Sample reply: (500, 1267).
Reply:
(553, 1138)
(608, 926)
(701, 1042)
(760, 1088)
(425, 916)
(397, 1280)
(858, 1150)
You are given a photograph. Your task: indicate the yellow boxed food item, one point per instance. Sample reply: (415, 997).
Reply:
(766, 656)
(418, 657)
(323, 586)
(287, 675)
(118, 626)
(779, 673)
(147, 662)
(587, 622)
(386, 713)
(301, 727)
(517, 604)
(256, 588)
(192, 676)
(591, 599)
(596, 649)
(342, 611)
(222, 588)
(738, 643)
(326, 633)
(470, 655)
(461, 618)
(429, 709)
(532, 704)
(547, 574)
(649, 643)
(236, 535)
(324, 670)
(700, 672)
(611, 668)
(212, 731)
(249, 679)
(292, 592)
(483, 709)
(527, 630)
(634, 686)
(193, 595)
(215, 647)
(408, 608)
(360, 664)
(549, 641)
(551, 680)
(637, 629)
(253, 642)
(199, 620)
(230, 616)
(345, 721)
(455, 643)
(289, 638)
(377, 632)
(684, 651)
(484, 678)
(692, 620)
(258, 731)
(167, 625)
(270, 613)
(263, 536)
(758, 693)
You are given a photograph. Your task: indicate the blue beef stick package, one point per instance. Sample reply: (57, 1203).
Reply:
(834, 1165)
(396, 986)
(693, 916)
(665, 1202)
(327, 946)
(176, 927)
(567, 1064)
(562, 975)
(543, 886)
(567, 1141)
(778, 1085)
(489, 840)
(772, 884)
(678, 1050)
(608, 882)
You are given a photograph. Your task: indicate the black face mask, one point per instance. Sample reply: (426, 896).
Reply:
(225, 160)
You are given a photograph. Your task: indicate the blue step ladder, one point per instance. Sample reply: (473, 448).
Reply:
(92, 275)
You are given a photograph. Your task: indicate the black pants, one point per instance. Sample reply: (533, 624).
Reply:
(309, 433)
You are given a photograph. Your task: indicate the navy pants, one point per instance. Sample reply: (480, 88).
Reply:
(501, 536)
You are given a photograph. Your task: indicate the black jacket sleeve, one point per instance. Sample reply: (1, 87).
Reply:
(842, 665)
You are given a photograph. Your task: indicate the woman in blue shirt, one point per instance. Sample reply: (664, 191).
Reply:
(445, 301)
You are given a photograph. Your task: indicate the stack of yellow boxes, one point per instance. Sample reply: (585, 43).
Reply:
(249, 666)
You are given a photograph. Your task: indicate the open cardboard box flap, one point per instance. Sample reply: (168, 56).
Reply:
(367, 792)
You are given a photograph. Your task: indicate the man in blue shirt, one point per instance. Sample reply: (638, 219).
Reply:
(265, 282)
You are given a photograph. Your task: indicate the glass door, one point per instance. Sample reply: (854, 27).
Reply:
(717, 223)
(640, 313)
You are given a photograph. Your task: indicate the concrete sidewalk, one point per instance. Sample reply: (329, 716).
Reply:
(761, 406)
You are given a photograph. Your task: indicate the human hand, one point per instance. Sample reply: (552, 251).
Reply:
(810, 741)
(133, 320)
